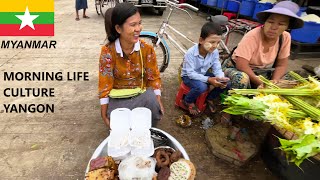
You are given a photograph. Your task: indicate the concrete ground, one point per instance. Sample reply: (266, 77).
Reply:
(59, 145)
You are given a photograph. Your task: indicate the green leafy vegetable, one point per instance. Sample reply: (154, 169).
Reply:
(300, 149)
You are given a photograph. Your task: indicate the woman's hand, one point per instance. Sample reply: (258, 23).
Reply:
(106, 120)
(160, 103)
(281, 69)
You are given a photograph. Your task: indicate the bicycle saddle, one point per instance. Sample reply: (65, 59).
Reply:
(219, 19)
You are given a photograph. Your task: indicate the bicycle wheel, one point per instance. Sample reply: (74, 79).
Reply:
(233, 39)
(161, 51)
(106, 4)
(97, 4)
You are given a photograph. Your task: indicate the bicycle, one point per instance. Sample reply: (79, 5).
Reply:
(103, 5)
(230, 38)
(158, 39)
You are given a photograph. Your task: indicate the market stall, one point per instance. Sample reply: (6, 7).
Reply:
(159, 157)
(291, 148)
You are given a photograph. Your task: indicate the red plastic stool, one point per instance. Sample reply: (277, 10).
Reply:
(200, 102)
(230, 15)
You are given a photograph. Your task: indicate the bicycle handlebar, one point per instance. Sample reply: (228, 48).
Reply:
(189, 6)
(176, 5)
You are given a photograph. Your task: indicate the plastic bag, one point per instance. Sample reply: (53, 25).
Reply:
(137, 167)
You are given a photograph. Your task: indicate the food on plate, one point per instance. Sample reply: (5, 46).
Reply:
(141, 140)
(175, 156)
(102, 168)
(165, 156)
(101, 174)
(137, 167)
(182, 169)
(164, 173)
(162, 158)
(103, 162)
(118, 141)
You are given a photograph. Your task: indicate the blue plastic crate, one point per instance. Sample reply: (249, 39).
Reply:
(261, 7)
(220, 4)
(309, 33)
(301, 10)
(247, 7)
(233, 6)
(203, 2)
(212, 3)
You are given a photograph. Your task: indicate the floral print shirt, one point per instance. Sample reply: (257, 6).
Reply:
(125, 72)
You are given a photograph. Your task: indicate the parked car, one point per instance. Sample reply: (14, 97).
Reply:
(159, 5)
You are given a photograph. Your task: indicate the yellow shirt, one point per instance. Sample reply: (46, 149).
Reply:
(125, 73)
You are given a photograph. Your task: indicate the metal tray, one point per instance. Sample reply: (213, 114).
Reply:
(102, 149)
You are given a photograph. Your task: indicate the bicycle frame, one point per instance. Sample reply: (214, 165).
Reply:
(162, 33)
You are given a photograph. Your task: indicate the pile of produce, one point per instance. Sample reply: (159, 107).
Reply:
(294, 109)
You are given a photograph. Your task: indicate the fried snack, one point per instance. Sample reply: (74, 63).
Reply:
(175, 156)
(103, 162)
(101, 174)
(164, 173)
(162, 158)
(182, 169)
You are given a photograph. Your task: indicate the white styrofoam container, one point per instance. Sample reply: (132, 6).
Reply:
(141, 143)
(130, 133)
(140, 139)
(118, 146)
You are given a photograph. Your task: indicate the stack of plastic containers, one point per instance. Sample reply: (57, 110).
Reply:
(212, 3)
(233, 5)
(222, 4)
(261, 7)
(203, 2)
(309, 33)
(247, 7)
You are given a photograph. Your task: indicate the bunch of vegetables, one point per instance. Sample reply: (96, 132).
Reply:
(296, 110)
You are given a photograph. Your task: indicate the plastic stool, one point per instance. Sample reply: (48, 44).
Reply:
(200, 102)
(230, 15)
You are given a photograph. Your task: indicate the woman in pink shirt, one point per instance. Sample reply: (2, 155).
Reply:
(265, 47)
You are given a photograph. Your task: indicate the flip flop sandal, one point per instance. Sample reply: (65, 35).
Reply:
(77, 19)
(192, 108)
(86, 17)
